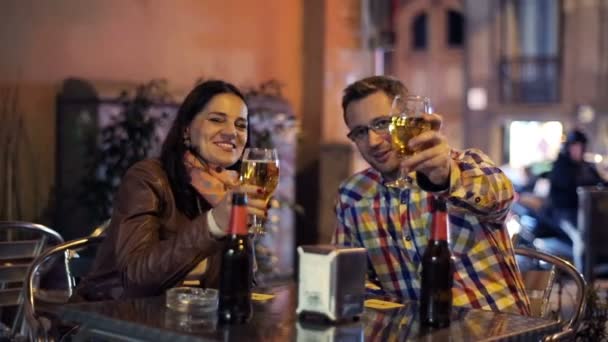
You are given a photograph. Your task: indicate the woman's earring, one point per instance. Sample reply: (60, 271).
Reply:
(187, 141)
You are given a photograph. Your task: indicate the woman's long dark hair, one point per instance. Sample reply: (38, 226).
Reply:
(174, 147)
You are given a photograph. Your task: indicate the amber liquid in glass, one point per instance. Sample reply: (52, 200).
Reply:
(262, 173)
(403, 129)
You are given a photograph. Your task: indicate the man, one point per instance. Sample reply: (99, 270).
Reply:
(394, 224)
(570, 171)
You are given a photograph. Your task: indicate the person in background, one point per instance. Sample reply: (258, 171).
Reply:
(394, 224)
(570, 171)
(170, 214)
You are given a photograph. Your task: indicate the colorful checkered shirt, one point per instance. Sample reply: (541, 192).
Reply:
(394, 225)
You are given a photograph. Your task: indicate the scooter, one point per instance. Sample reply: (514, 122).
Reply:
(537, 229)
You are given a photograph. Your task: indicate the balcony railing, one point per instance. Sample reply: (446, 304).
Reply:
(530, 80)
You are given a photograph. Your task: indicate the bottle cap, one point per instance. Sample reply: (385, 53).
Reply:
(439, 204)
(239, 198)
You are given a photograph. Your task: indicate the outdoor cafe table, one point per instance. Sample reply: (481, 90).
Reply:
(147, 319)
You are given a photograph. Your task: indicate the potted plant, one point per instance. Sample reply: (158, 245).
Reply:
(129, 136)
(593, 325)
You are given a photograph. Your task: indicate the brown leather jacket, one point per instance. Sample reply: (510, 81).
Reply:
(150, 245)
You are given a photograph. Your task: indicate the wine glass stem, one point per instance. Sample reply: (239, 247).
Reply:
(256, 230)
(257, 224)
(403, 172)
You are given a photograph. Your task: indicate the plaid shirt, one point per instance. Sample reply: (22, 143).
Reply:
(393, 225)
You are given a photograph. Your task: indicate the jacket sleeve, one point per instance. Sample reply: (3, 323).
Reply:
(479, 188)
(596, 178)
(148, 263)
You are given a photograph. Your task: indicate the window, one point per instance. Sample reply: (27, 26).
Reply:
(419, 32)
(455, 28)
(530, 54)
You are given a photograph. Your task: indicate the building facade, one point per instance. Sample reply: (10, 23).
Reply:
(540, 61)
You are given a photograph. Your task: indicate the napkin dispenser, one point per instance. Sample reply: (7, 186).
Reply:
(331, 282)
(347, 332)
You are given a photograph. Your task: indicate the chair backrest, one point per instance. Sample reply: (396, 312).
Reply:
(25, 240)
(20, 243)
(11, 230)
(101, 229)
(68, 251)
(539, 284)
(592, 220)
(561, 265)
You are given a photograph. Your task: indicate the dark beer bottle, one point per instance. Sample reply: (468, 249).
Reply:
(437, 272)
(236, 271)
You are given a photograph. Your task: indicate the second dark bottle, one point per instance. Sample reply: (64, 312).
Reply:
(236, 271)
(437, 272)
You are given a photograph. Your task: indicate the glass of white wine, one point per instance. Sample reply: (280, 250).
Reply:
(260, 167)
(407, 122)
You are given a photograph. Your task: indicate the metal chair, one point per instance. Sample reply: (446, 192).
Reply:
(539, 284)
(101, 229)
(557, 264)
(20, 244)
(37, 328)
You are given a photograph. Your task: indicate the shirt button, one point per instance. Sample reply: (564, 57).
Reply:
(404, 196)
(408, 238)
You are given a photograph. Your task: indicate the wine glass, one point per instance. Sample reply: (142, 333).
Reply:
(260, 167)
(407, 122)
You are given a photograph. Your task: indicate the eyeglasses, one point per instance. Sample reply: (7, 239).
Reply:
(361, 133)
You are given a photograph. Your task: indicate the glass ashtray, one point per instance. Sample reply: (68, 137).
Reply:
(192, 300)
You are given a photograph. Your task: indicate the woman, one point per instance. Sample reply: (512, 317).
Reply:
(170, 214)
